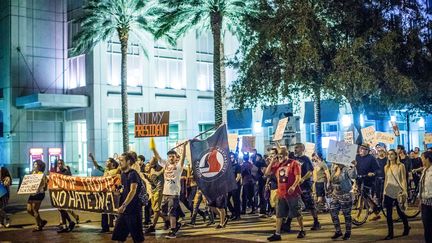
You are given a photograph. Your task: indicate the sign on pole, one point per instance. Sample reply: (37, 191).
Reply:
(30, 184)
(384, 137)
(278, 135)
(248, 143)
(368, 134)
(428, 138)
(349, 137)
(395, 128)
(152, 124)
(340, 152)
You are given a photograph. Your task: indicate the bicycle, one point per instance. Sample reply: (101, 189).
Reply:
(413, 201)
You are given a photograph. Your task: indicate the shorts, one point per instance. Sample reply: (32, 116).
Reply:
(273, 198)
(319, 189)
(128, 223)
(170, 205)
(308, 200)
(220, 202)
(156, 201)
(36, 197)
(289, 207)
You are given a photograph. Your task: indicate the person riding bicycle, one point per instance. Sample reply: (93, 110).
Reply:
(367, 168)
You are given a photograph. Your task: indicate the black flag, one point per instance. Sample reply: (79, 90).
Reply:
(212, 170)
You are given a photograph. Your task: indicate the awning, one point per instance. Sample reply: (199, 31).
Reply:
(276, 111)
(238, 119)
(377, 115)
(329, 111)
(52, 101)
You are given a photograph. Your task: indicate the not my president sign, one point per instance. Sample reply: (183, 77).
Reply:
(152, 124)
(94, 194)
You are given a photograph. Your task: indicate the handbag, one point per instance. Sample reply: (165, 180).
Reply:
(402, 197)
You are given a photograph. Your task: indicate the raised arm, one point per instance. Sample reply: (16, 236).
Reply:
(95, 163)
(183, 156)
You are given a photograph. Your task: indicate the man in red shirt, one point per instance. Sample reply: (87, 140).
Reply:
(288, 174)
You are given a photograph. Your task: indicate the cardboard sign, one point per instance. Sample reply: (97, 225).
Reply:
(278, 135)
(395, 128)
(232, 141)
(368, 134)
(341, 152)
(30, 184)
(428, 138)
(152, 124)
(309, 149)
(349, 137)
(383, 137)
(94, 194)
(248, 143)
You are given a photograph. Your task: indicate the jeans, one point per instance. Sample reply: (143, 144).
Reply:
(426, 214)
(107, 219)
(235, 206)
(389, 203)
(262, 201)
(248, 197)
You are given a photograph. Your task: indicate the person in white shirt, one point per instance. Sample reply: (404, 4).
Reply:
(172, 187)
(425, 195)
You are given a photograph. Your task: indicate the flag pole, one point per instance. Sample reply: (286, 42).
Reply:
(206, 131)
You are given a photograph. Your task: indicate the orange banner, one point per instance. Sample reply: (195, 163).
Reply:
(87, 184)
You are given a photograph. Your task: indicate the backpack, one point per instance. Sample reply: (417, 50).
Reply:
(143, 196)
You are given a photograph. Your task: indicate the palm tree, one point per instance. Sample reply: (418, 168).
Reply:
(101, 20)
(180, 16)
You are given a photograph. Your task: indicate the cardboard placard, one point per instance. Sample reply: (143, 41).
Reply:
(152, 124)
(248, 143)
(428, 138)
(384, 137)
(395, 128)
(349, 137)
(30, 184)
(278, 135)
(309, 149)
(232, 141)
(368, 134)
(340, 152)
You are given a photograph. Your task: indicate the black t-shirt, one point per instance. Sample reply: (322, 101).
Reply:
(237, 170)
(365, 165)
(260, 164)
(381, 165)
(306, 166)
(407, 163)
(127, 178)
(416, 163)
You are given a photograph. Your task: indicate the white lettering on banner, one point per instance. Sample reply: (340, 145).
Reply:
(30, 184)
(341, 152)
(87, 201)
(383, 137)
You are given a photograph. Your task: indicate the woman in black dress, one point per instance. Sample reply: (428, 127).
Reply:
(35, 200)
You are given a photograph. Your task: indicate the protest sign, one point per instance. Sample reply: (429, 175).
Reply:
(152, 124)
(395, 128)
(232, 141)
(368, 134)
(383, 137)
(428, 138)
(349, 137)
(248, 143)
(278, 135)
(340, 152)
(30, 184)
(309, 149)
(94, 194)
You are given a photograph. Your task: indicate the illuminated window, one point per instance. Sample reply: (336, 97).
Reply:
(114, 64)
(204, 61)
(76, 72)
(169, 66)
(205, 76)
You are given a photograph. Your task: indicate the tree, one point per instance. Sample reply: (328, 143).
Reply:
(289, 53)
(180, 16)
(101, 20)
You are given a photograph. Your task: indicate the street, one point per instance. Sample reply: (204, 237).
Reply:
(249, 229)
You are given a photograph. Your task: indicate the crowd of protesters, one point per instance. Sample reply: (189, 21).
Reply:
(281, 184)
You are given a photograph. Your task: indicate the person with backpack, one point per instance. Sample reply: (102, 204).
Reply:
(5, 183)
(130, 213)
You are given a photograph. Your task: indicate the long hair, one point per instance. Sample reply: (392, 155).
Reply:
(428, 155)
(5, 173)
(40, 165)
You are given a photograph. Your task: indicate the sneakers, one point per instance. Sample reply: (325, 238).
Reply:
(171, 235)
(63, 230)
(336, 235)
(177, 228)
(71, 226)
(225, 222)
(274, 237)
(6, 223)
(316, 226)
(44, 222)
(219, 226)
(37, 229)
(347, 236)
(301, 234)
(150, 229)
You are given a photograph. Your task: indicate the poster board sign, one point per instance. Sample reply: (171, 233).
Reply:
(278, 135)
(30, 184)
(384, 137)
(340, 152)
(309, 149)
(395, 128)
(428, 138)
(94, 194)
(248, 143)
(349, 137)
(232, 141)
(368, 134)
(152, 124)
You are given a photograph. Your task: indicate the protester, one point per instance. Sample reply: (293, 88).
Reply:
(234, 207)
(35, 200)
(111, 169)
(425, 196)
(395, 192)
(379, 178)
(172, 187)
(5, 183)
(156, 179)
(288, 173)
(416, 164)
(341, 198)
(248, 185)
(130, 213)
(321, 175)
(218, 206)
(272, 180)
(67, 224)
(260, 165)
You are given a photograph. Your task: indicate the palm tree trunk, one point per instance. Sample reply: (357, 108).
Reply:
(223, 83)
(124, 36)
(317, 115)
(216, 27)
(356, 120)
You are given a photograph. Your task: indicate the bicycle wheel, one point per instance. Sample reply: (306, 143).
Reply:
(412, 210)
(360, 210)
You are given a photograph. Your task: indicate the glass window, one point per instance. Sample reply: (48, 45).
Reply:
(76, 72)
(114, 64)
(205, 127)
(205, 76)
(169, 65)
(204, 42)
(173, 136)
